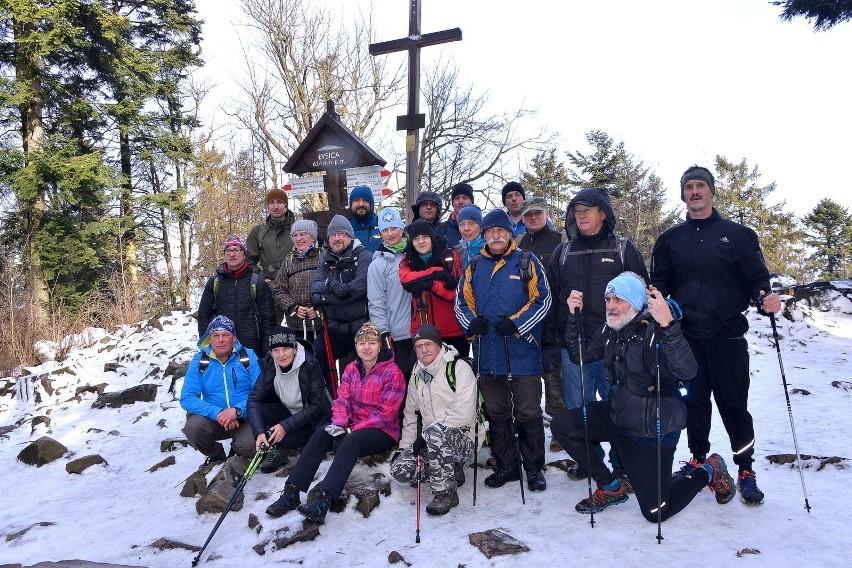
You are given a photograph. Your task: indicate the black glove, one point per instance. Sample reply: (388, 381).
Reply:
(338, 288)
(449, 281)
(478, 326)
(551, 359)
(386, 341)
(505, 327)
(417, 287)
(418, 445)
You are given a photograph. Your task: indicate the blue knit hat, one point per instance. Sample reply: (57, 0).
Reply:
(390, 217)
(630, 287)
(221, 323)
(362, 192)
(496, 218)
(472, 212)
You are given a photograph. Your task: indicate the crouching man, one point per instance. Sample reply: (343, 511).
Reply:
(441, 394)
(642, 340)
(215, 390)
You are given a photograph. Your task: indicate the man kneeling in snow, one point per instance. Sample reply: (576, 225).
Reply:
(441, 393)
(644, 349)
(215, 391)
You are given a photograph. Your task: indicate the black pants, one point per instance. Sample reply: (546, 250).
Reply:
(275, 413)
(638, 460)
(341, 346)
(526, 393)
(347, 449)
(461, 344)
(722, 371)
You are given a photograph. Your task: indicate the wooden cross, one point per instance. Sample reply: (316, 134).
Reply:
(414, 120)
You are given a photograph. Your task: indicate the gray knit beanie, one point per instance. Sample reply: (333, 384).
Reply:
(304, 225)
(340, 224)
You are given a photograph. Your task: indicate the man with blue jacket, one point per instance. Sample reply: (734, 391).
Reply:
(503, 299)
(365, 222)
(215, 391)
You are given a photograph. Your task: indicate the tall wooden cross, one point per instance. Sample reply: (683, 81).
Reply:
(414, 120)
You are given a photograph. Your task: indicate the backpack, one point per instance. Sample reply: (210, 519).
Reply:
(451, 379)
(620, 247)
(526, 271)
(205, 360)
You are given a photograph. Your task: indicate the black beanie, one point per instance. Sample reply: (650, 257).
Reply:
(513, 186)
(421, 227)
(462, 189)
(282, 337)
(697, 172)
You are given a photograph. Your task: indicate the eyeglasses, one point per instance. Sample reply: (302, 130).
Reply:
(233, 251)
(425, 346)
(300, 235)
(338, 235)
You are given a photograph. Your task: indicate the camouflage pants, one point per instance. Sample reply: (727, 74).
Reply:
(444, 447)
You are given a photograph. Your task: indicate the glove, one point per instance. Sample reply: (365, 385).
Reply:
(338, 288)
(551, 359)
(417, 287)
(450, 283)
(334, 430)
(386, 341)
(505, 327)
(418, 445)
(478, 326)
(319, 300)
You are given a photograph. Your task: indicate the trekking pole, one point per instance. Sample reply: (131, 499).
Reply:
(579, 322)
(789, 410)
(476, 426)
(659, 455)
(418, 473)
(514, 421)
(422, 313)
(252, 466)
(332, 367)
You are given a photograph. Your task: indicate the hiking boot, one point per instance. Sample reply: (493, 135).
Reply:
(554, 445)
(687, 470)
(621, 476)
(722, 484)
(747, 484)
(317, 508)
(288, 501)
(220, 457)
(458, 473)
(577, 473)
(274, 460)
(442, 502)
(536, 481)
(601, 499)
(501, 477)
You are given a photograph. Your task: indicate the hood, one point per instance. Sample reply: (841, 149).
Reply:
(595, 196)
(427, 196)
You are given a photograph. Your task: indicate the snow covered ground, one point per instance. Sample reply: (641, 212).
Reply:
(113, 513)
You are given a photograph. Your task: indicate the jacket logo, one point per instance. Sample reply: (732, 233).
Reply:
(724, 240)
(514, 277)
(605, 259)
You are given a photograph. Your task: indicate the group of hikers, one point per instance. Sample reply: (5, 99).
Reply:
(619, 353)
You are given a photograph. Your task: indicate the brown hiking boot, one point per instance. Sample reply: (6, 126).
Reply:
(722, 483)
(554, 445)
(443, 502)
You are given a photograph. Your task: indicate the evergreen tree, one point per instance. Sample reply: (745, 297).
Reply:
(828, 230)
(822, 13)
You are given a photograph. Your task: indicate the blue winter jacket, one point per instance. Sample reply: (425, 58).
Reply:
(496, 287)
(219, 386)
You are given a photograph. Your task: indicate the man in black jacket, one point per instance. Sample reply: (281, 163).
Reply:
(339, 287)
(644, 349)
(714, 269)
(241, 294)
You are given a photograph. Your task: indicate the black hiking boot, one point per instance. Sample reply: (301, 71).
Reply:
(577, 473)
(442, 502)
(722, 484)
(274, 460)
(601, 499)
(749, 492)
(536, 480)
(317, 508)
(218, 458)
(501, 477)
(288, 501)
(458, 473)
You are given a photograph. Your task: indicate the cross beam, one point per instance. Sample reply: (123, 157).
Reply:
(414, 120)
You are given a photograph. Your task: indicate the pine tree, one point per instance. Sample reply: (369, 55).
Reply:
(828, 232)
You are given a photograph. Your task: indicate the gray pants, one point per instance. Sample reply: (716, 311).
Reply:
(204, 434)
(444, 447)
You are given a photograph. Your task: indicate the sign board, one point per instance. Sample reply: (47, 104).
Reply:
(368, 175)
(304, 186)
(330, 157)
(380, 191)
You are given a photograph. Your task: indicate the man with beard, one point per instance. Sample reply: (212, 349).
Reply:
(269, 243)
(365, 222)
(644, 350)
(501, 303)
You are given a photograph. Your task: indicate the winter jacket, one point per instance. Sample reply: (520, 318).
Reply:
(587, 264)
(542, 244)
(497, 287)
(347, 311)
(437, 303)
(370, 399)
(429, 393)
(713, 268)
(253, 314)
(631, 359)
(389, 302)
(316, 407)
(219, 386)
(428, 196)
(449, 229)
(269, 243)
(367, 230)
(293, 285)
